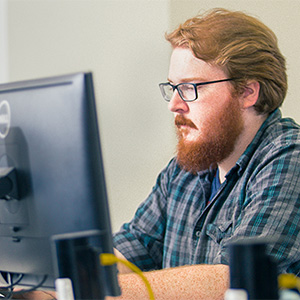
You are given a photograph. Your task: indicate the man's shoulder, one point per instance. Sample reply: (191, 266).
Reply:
(173, 175)
(277, 137)
(282, 133)
(277, 132)
(173, 170)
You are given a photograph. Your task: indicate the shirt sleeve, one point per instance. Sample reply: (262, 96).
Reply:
(141, 241)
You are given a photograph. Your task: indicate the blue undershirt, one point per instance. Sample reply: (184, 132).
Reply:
(215, 185)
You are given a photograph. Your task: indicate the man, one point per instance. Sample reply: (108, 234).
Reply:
(236, 173)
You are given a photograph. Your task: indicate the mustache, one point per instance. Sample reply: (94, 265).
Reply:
(182, 121)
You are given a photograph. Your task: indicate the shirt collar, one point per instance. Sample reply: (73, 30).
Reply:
(242, 162)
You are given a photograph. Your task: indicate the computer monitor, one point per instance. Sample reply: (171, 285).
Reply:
(52, 180)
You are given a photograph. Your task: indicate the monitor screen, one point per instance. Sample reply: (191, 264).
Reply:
(51, 176)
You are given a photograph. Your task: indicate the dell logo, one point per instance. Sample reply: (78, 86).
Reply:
(4, 119)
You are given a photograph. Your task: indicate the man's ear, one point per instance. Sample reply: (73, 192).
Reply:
(250, 94)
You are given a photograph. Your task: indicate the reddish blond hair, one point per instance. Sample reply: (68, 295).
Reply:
(243, 47)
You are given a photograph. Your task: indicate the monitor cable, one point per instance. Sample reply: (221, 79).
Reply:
(107, 259)
(10, 293)
(6, 292)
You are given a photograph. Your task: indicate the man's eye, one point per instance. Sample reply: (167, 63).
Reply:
(187, 87)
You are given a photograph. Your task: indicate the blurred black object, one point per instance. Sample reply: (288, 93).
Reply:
(252, 269)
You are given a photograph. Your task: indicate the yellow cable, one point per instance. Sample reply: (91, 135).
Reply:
(107, 259)
(288, 281)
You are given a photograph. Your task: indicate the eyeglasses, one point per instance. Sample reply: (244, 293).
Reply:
(187, 91)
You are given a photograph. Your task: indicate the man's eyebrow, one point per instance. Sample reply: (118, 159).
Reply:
(190, 79)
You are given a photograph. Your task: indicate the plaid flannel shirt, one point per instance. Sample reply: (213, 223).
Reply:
(260, 197)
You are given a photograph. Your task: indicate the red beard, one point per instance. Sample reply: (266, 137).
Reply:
(217, 140)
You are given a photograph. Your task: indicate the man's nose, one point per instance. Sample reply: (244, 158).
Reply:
(176, 103)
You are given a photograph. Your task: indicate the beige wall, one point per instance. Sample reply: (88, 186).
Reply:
(122, 42)
(3, 42)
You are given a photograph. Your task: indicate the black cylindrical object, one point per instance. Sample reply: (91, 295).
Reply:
(78, 261)
(253, 270)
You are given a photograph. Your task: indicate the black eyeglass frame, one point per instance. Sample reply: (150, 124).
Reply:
(195, 85)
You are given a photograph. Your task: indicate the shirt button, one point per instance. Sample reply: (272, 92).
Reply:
(198, 233)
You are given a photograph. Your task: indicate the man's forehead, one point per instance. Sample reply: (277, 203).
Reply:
(184, 66)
